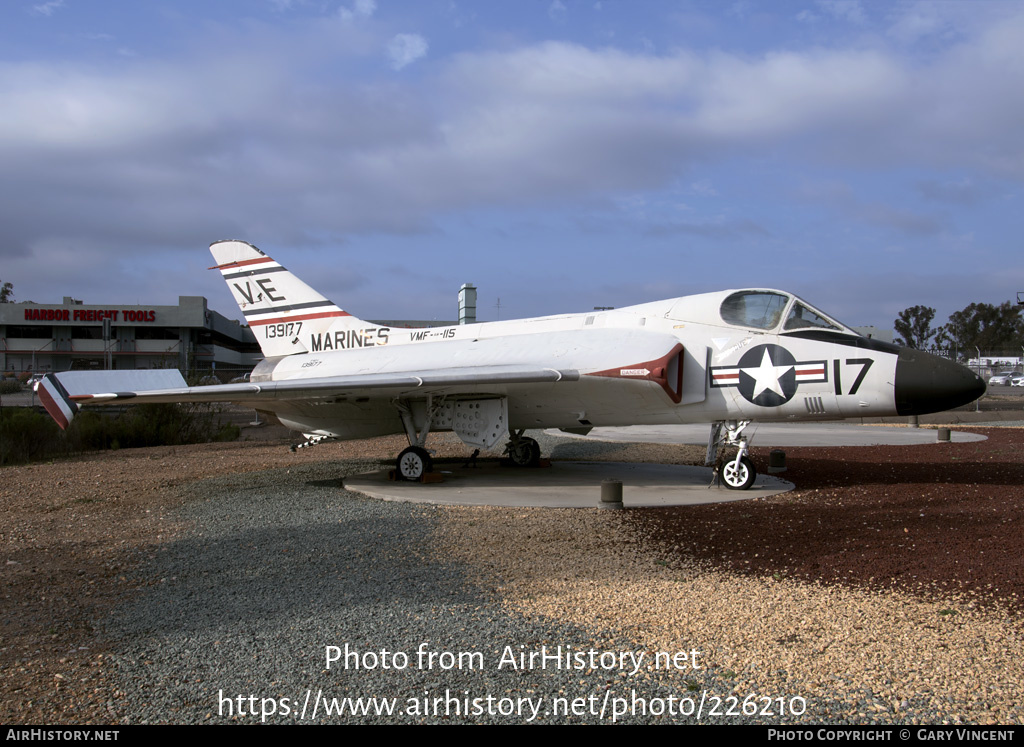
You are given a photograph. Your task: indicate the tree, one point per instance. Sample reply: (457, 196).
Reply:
(6, 293)
(984, 326)
(913, 327)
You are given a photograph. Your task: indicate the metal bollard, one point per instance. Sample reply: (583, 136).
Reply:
(942, 434)
(611, 494)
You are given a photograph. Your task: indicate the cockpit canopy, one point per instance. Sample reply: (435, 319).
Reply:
(766, 309)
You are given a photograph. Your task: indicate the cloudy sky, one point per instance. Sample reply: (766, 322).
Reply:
(559, 154)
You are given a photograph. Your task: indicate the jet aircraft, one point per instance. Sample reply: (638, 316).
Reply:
(727, 358)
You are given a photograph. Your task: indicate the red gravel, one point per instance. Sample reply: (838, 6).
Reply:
(936, 517)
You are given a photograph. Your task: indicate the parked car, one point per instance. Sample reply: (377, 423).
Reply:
(33, 381)
(1003, 379)
(1017, 380)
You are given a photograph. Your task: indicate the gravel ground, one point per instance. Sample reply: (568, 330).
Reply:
(159, 585)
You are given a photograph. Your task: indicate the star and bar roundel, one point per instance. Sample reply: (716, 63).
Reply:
(768, 375)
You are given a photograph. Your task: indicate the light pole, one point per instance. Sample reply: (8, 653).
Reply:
(977, 402)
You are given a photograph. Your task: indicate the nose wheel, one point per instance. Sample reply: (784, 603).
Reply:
(739, 474)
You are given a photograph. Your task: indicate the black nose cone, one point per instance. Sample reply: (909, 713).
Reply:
(927, 383)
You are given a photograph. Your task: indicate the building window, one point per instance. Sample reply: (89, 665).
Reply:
(29, 332)
(87, 333)
(156, 333)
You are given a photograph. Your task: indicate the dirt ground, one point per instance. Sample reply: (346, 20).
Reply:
(927, 519)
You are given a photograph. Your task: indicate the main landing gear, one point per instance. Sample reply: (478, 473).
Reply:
(522, 450)
(737, 473)
(413, 463)
(479, 423)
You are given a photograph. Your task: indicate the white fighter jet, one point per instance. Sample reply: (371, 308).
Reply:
(726, 358)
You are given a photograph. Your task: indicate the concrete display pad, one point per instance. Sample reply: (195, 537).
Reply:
(564, 485)
(777, 434)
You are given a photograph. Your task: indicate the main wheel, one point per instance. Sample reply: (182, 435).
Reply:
(738, 477)
(526, 453)
(413, 463)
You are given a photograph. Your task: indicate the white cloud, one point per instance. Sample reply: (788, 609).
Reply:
(845, 10)
(48, 8)
(360, 9)
(740, 9)
(237, 144)
(404, 49)
(916, 20)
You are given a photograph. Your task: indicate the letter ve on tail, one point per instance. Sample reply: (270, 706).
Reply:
(284, 313)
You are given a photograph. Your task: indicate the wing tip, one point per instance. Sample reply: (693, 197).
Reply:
(56, 401)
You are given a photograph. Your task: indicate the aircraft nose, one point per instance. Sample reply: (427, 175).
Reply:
(927, 383)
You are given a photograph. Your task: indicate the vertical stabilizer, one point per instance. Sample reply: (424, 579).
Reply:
(284, 313)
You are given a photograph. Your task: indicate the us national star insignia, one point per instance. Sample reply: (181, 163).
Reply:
(768, 375)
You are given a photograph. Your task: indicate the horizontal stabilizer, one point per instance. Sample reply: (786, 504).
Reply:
(88, 382)
(59, 392)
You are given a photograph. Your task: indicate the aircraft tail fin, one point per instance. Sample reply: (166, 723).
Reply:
(285, 314)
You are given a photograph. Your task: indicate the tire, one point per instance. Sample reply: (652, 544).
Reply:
(525, 454)
(740, 478)
(413, 463)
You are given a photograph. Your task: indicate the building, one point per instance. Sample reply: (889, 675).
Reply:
(875, 333)
(41, 338)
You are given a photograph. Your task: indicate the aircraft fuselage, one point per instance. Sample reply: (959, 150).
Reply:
(660, 363)
(734, 356)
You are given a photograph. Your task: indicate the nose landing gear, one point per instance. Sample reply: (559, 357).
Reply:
(737, 473)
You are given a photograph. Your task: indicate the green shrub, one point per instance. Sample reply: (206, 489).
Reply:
(27, 435)
(10, 386)
(146, 425)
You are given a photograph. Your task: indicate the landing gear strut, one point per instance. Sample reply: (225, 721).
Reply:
(737, 473)
(415, 461)
(523, 451)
